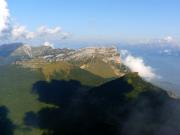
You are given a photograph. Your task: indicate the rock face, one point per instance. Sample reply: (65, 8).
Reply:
(101, 61)
(24, 51)
(88, 54)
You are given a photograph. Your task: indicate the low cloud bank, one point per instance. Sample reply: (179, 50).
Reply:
(137, 64)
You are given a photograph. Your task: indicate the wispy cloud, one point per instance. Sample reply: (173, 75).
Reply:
(165, 40)
(20, 32)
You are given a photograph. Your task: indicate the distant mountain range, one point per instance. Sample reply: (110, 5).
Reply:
(104, 62)
(23, 51)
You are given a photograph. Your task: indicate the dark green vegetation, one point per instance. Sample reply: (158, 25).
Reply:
(16, 91)
(75, 101)
(6, 126)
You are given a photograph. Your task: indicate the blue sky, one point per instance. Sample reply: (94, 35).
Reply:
(104, 19)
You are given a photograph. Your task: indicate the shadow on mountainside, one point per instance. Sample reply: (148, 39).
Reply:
(7, 49)
(105, 109)
(6, 126)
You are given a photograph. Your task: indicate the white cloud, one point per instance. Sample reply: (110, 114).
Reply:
(20, 33)
(4, 15)
(136, 64)
(48, 44)
(169, 39)
(46, 30)
(166, 40)
(166, 51)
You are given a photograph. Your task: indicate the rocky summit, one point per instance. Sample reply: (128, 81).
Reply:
(101, 61)
(25, 52)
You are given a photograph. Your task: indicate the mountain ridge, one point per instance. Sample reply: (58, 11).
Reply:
(102, 61)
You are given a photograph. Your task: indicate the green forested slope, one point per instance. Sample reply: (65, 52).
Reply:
(75, 101)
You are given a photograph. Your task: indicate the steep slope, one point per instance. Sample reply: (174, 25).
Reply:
(24, 51)
(62, 70)
(101, 68)
(131, 103)
(107, 109)
(7, 49)
(17, 83)
(28, 51)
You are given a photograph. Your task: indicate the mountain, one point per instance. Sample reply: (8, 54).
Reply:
(127, 106)
(22, 51)
(7, 49)
(19, 49)
(131, 106)
(47, 91)
(16, 91)
(103, 62)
